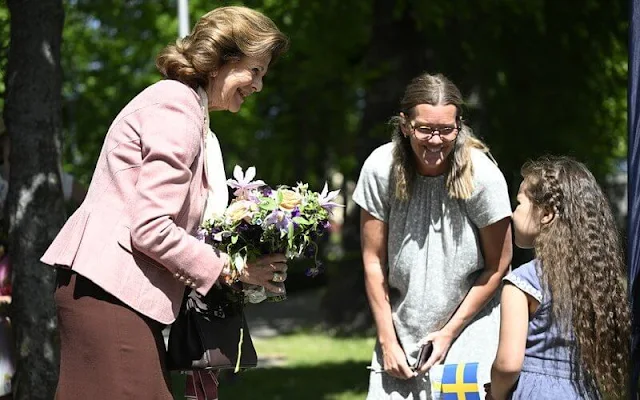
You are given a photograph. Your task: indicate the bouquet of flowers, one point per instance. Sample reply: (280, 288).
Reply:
(263, 220)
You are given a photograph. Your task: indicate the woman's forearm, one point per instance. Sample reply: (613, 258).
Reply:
(374, 258)
(497, 252)
(478, 296)
(378, 295)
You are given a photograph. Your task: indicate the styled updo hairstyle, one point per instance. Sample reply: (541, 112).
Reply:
(222, 35)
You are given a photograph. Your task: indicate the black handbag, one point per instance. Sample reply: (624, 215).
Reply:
(211, 332)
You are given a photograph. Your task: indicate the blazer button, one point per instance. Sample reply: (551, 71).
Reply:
(181, 279)
(193, 285)
(177, 275)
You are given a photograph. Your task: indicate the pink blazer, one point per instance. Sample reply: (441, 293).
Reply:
(133, 234)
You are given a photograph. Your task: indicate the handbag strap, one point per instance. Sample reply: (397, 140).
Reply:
(237, 368)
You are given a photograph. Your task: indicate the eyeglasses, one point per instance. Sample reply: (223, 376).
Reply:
(446, 133)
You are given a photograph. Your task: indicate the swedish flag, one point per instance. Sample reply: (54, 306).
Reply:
(459, 382)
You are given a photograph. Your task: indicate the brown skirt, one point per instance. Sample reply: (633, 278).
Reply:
(108, 350)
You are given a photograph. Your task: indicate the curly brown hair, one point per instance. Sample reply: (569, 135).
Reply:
(582, 264)
(220, 36)
(433, 90)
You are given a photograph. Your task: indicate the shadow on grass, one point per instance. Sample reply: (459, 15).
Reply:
(312, 382)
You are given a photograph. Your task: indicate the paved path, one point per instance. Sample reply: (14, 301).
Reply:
(301, 309)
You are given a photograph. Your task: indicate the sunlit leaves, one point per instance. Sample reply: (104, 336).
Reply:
(547, 72)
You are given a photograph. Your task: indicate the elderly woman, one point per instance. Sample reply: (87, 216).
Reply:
(436, 241)
(126, 255)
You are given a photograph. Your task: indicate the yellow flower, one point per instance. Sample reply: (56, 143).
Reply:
(290, 199)
(241, 209)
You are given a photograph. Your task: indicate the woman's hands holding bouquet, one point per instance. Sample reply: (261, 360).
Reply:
(283, 223)
(267, 271)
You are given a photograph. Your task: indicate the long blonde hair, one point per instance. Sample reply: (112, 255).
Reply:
(433, 90)
(220, 36)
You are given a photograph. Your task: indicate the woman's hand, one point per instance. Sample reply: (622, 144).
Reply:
(441, 341)
(395, 361)
(267, 271)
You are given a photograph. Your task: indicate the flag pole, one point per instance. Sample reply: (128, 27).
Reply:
(183, 18)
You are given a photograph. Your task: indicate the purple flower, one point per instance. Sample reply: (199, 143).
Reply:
(295, 212)
(201, 234)
(266, 191)
(244, 183)
(316, 270)
(251, 196)
(215, 234)
(214, 230)
(322, 228)
(310, 251)
(279, 219)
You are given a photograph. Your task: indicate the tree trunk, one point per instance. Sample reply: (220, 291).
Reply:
(35, 209)
(397, 50)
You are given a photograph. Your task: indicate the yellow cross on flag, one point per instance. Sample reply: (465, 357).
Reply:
(458, 382)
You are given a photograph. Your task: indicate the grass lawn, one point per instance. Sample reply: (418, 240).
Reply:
(309, 366)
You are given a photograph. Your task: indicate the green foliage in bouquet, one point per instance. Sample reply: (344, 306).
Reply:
(261, 220)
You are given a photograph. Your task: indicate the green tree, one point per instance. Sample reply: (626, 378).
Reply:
(396, 52)
(541, 73)
(310, 100)
(540, 77)
(107, 57)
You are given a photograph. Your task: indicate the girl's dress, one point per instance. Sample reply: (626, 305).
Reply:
(547, 367)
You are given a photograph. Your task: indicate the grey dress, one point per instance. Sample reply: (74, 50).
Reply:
(434, 257)
(547, 365)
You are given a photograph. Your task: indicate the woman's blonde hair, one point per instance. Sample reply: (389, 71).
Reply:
(220, 36)
(434, 90)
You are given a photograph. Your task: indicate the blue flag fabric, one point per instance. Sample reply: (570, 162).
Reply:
(633, 228)
(458, 382)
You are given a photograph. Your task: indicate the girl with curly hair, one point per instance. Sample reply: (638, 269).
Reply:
(565, 318)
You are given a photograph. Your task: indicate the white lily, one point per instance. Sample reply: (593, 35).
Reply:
(243, 182)
(325, 198)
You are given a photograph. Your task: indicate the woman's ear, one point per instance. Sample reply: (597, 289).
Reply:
(403, 125)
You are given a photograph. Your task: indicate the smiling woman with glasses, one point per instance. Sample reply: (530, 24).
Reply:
(436, 241)
(425, 132)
